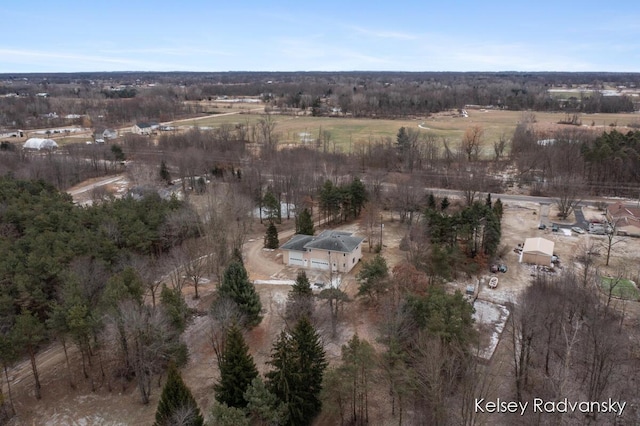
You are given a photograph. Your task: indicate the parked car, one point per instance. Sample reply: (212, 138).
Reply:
(542, 226)
(555, 228)
(493, 268)
(502, 268)
(577, 230)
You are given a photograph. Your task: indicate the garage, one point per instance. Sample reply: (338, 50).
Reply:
(537, 251)
(320, 264)
(296, 259)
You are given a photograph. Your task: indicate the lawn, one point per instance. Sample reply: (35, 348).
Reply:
(622, 288)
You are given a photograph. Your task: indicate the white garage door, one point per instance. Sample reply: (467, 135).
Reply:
(296, 259)
(319, 264)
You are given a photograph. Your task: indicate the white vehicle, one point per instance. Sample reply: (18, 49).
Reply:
(577, 230)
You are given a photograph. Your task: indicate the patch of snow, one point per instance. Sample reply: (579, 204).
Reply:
(275, 282)
(495, 316)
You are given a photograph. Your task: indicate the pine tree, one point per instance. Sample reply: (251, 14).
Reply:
(299, 362)
(237, 370)
(164, 173)
(304, 223)
(237, 287)
(444, 204)
(300, 299)
(497, 208)
(271, 207)
(271, 237)
(402, 141)
(358, 196)
(431, 202)
(177, 403)
(263, 406)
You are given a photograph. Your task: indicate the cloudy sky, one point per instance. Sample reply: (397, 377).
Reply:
(255, 35)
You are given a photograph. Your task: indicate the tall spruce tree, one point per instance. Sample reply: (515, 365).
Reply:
(271, 237)
(177, 405)
(304, 223)
(237, 287)
(298, 361)
(237, 370)
(300, 299)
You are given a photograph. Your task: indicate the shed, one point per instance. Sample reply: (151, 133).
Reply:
(39, 143)
(537, 251)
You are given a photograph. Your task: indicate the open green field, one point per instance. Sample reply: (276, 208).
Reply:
(347, 132)
(622, 288)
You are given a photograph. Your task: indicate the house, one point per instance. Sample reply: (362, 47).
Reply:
(625, 218)
(340, 251)
(537, 251)
(143, 128)
(109, 134)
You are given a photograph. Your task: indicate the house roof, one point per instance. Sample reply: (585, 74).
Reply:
(538, 245)
(618, 210)
(143, 125)
(297, 242)
(343, 242)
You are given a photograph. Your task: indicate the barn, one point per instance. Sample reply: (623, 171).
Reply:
(537, 251)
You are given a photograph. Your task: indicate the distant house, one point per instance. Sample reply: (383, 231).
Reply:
(625, 218)
(109, 134)
(39, 144)
(335, 250)
(538, 251)
(145, 128)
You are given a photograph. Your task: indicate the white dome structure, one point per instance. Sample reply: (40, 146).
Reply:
(38, 143)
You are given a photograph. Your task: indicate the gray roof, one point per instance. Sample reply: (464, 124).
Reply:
(328, 240)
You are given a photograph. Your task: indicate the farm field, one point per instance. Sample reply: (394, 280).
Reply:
(347, 133)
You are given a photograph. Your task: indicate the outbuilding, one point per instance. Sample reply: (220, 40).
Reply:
(39, 143)
(537, 251)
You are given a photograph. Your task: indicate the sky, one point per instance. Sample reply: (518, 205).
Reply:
(273, 35)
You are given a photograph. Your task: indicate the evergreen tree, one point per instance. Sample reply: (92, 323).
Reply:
(164, 173)
(431, 202)
(271, 207)
(237, 287)
(299, 363)
(359, 196)
(304, 223)
(403, 143)
(176, 404)
(237, 370)
(263, 406)
(300, 299)
(271, 237)
(176, 308)
(488, 201)
(28, 332)
(497, 208)
(222, 415)
(373, 278)
(444, 204)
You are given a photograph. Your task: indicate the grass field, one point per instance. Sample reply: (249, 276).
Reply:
(347, 133)
(622, 288)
